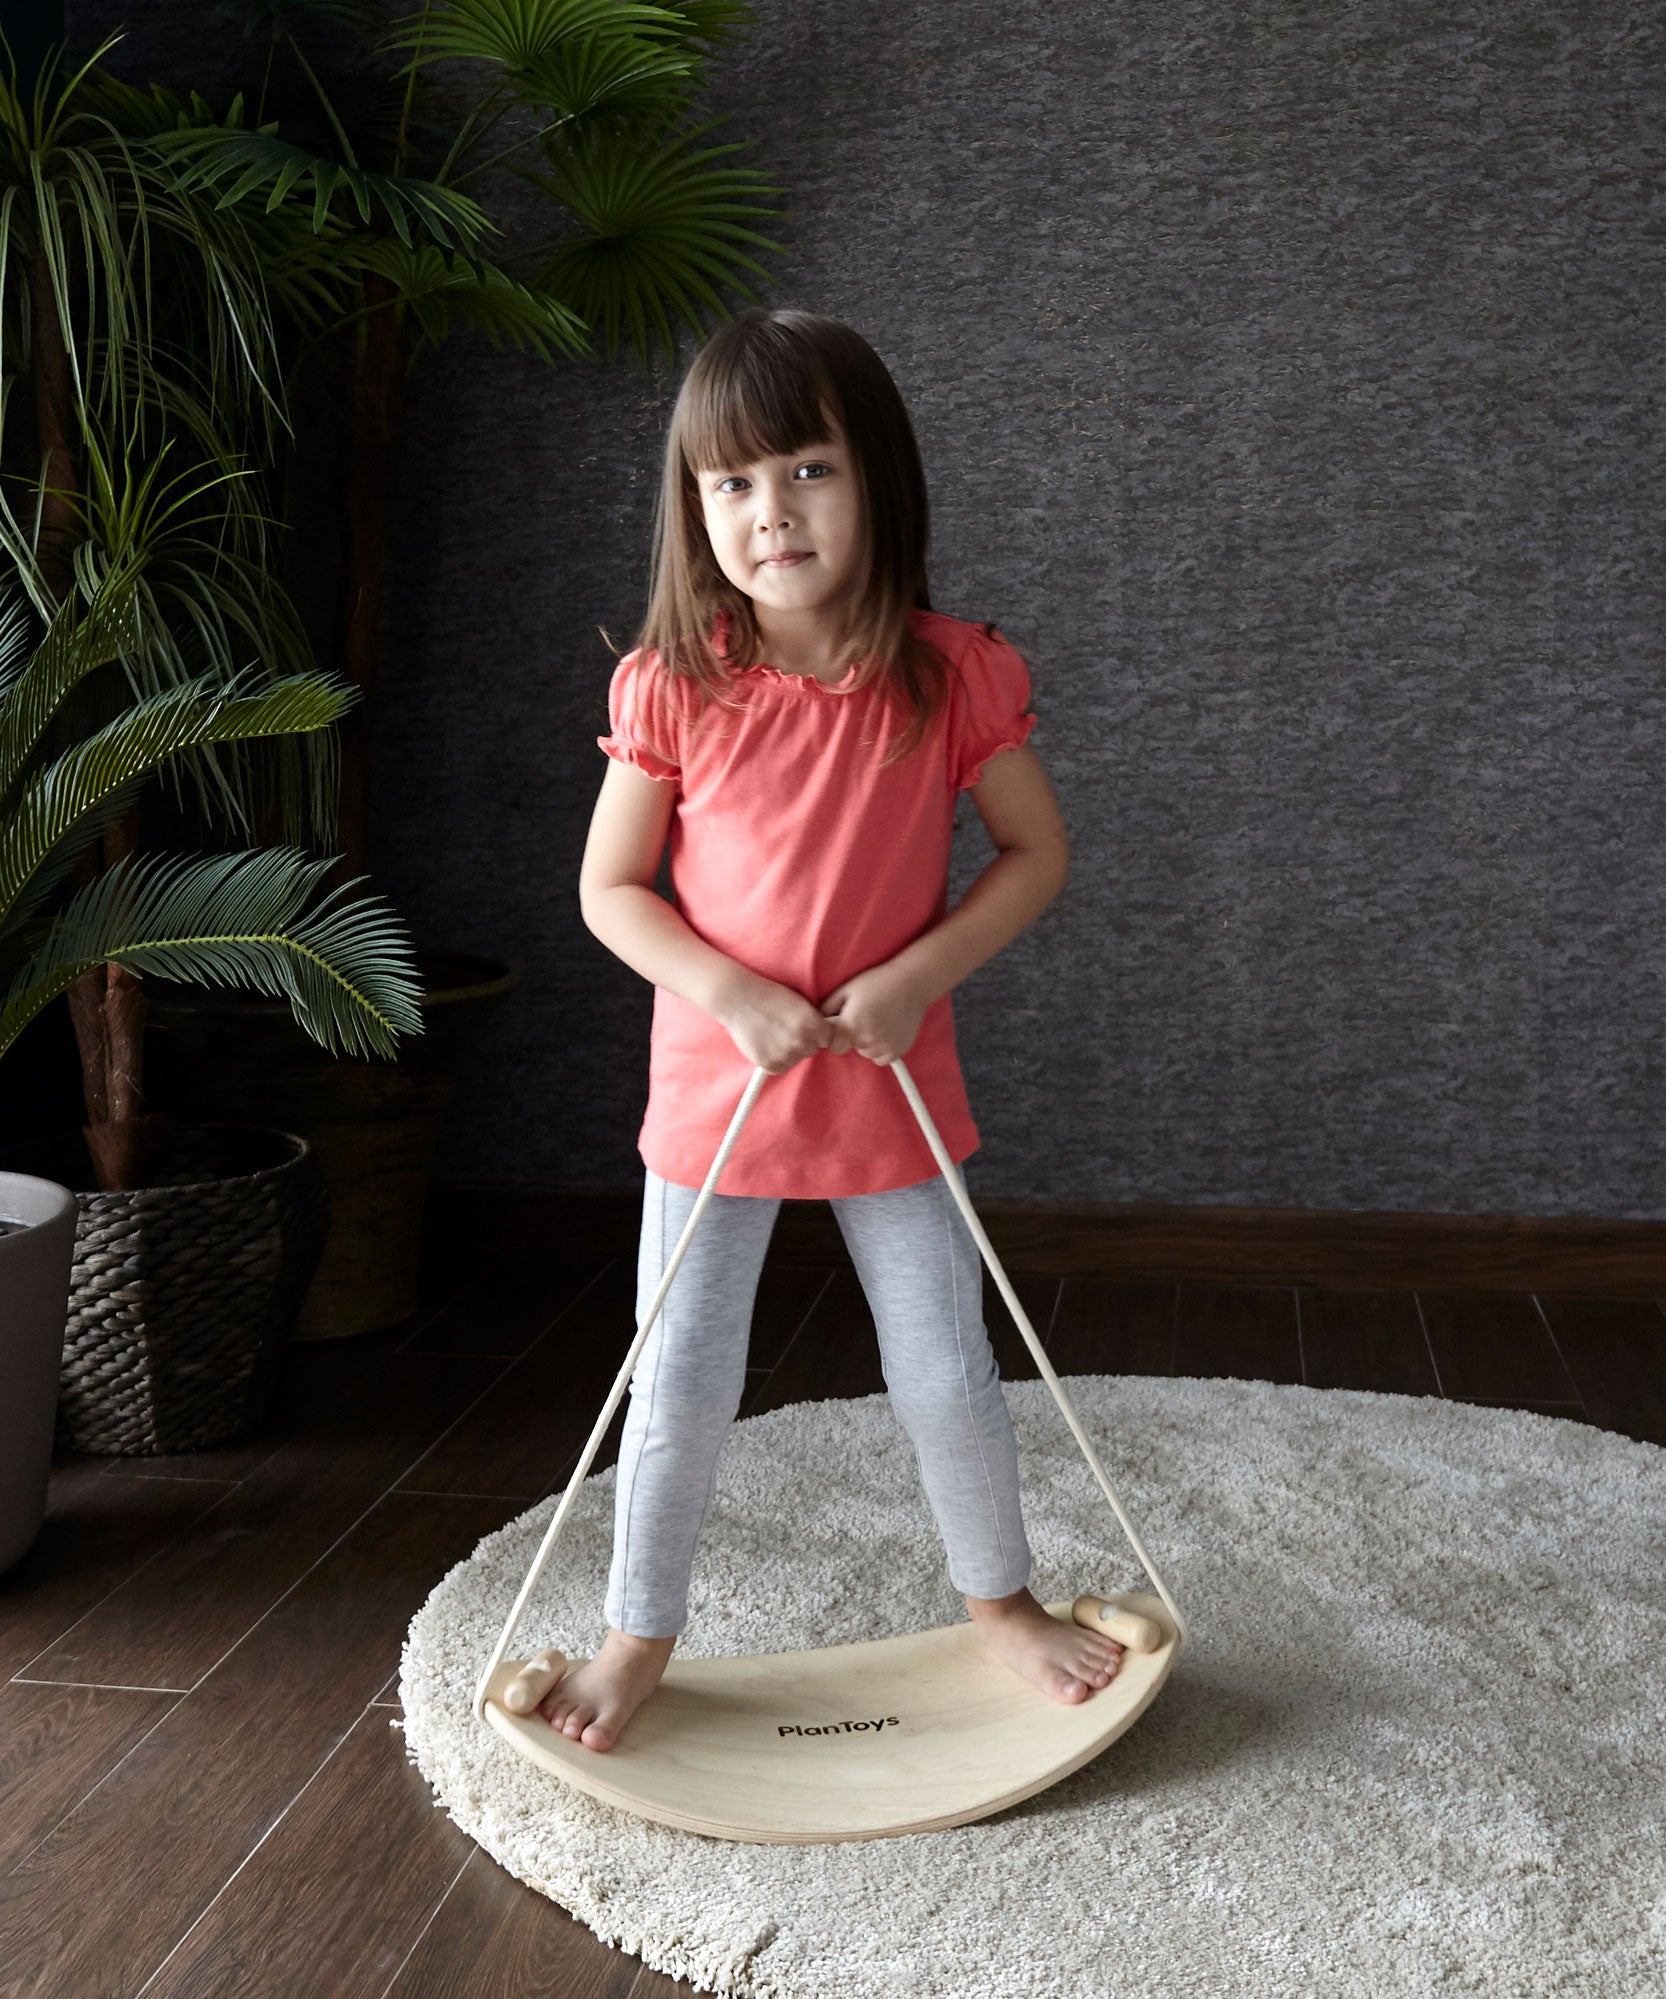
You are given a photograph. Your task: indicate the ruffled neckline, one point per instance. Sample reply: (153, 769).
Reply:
(797, 683)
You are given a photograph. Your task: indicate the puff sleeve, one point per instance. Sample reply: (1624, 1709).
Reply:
(635, 717)
(997, 714)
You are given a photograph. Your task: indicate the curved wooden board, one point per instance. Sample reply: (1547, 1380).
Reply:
(863, 1741)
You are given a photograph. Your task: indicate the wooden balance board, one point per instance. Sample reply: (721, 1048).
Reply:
(906, 1734)
(863, 1741)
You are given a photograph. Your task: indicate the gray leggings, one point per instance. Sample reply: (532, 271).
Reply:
(922, 1273)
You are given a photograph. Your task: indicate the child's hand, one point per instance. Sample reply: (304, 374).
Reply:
(876, 1014)
(773, 1026)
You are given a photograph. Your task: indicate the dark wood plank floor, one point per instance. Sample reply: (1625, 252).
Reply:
(199, 1790)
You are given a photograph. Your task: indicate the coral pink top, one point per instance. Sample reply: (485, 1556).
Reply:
(792, 851)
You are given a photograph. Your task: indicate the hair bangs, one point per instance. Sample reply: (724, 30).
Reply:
(756, 409)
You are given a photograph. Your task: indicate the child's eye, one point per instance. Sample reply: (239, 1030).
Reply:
(812, 464)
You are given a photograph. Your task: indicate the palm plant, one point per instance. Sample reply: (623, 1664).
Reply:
(138, 318)
(236, 918)
(155, 258)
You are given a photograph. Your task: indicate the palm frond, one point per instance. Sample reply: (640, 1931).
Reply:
(41, 896)
(184, 242)
(514, 32)
(716, 21)
(120, 242)
(349, 973)
(570, 57)
(53, 801)
(663, 225)
(260, 160)
(15, 628)
(440, 290)
(612, 77)
(207, 599)
(75, 643)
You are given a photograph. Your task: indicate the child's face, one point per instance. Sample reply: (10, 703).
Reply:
(807, 501)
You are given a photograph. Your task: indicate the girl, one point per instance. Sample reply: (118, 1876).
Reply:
(788, 625)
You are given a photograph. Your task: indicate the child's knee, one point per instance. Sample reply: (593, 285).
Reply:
(686, 1405)
(938, 1403)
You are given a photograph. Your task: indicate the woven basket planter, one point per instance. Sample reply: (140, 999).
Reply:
(183, 1293)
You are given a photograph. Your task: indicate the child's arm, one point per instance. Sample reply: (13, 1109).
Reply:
(1017, 805)
(879, 1012)
(771, 1024)
(622, 907)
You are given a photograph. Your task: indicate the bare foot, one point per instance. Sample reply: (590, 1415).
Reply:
(592, 1703)
(1063, 1659)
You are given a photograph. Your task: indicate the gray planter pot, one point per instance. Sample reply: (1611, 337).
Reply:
(37, 1250)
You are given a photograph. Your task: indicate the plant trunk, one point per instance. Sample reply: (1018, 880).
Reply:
(107, 1007)
(376, 410)
(106, 1004)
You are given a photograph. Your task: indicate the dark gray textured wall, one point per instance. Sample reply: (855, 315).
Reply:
(1289, 385)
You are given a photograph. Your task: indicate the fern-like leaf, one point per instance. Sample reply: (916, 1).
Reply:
(240, 163)
(53, 801)
(236, 919)
(439, 289)
(75, 643)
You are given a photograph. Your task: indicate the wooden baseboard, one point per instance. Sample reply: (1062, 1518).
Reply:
(1343, 1251)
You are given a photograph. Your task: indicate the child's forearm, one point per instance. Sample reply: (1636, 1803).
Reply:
(1006, 898)
(636, 923)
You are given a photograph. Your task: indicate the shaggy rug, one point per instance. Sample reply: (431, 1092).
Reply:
(1415, 1745)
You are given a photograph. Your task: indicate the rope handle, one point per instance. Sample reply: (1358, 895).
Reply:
(957, 1187)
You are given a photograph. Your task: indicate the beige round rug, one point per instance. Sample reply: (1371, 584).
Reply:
(1416, 1745)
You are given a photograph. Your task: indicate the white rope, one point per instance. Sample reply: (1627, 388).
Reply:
(587, 1457)
(956, 1186)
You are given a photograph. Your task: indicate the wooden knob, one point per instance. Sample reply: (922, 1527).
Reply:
(1127, 1627)
(534, 1680)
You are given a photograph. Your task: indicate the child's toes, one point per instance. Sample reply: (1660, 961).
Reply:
(599, 1735)
(577, 1720)
(1096, 1666)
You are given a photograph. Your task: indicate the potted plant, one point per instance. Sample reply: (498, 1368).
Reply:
(361, 183)
(138, 316)
(178, 1294)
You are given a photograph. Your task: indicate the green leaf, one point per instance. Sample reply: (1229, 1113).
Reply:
(52, 801)
(260, 160)
(663, 226)
(236, 919)
(518, 34)
(439, 290)
(73, 646)
(717, 21)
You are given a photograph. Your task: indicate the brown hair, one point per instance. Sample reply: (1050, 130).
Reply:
(763, 383)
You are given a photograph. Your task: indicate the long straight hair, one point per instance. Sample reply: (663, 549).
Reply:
(763, 383)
